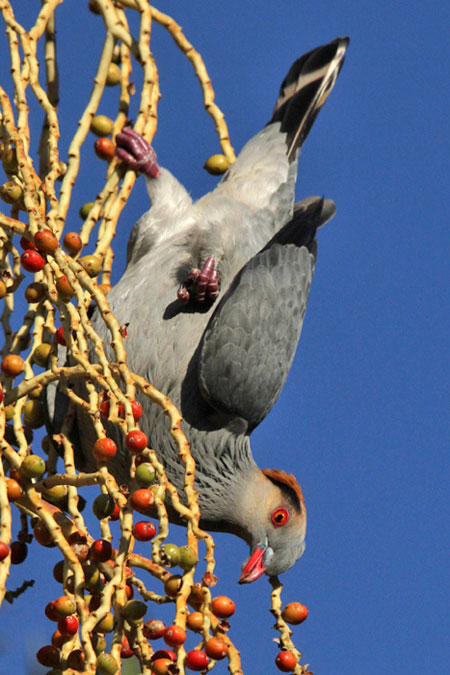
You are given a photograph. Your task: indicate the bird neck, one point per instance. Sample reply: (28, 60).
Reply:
(166, 192)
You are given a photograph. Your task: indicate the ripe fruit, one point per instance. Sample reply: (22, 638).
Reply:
(107, 664)
(134, 610)
(41, 353)
(286, 661)
(104, 449)
(33, 466)
(142, 500)
(64, 289)
(115, 515)
(216, 648)
(196, 660)
(101, 550)
(45, 241)
(294, 613)
(161, 666)
(195, 598)
(68, 625)
(103, 506)
(42, 535)
(27, 243)
(32, 261)
(144, 531)
(188, 558)
(174, 636)
(154, 629)
(92, 264)
(59, 336)
(102, 125)
(33, 414)
(170, 554)
(35, 292)
(145, 474)
(136, 441)
(19, 552)
(12, 365)
(3, 289)
(72, 243)
(223, 607)
(216, 165)
(105, 148)
(125, 651)
(76, 659)
(4, 550)
(58, 572)
(113, 76)
(13, 489)
(64, 606)
(48, 656)
(195, 621)
(50, 611)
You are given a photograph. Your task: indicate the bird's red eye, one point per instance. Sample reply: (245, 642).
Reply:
(280, 516)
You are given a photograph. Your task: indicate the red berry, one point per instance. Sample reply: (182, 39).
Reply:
(72, 243)
(68, 625)
(136, 441)
(4, 550)
(286, 661)
(174, 636)
(1, 394)
(144, 531)
(32, 261)
(196, 660)
(136, 409)
(19, 552)
(142, 500)
(216, 648)
(154, 629)
(59, 336)
(115, 515)
(50, 611)
(104, 449)
(101, 550)
(45, 241)
(27, 244)
(48, 656)
(105, 148)
(161, 666)
(164, 654)
(223, 607)
(125, 651)
(42, 535)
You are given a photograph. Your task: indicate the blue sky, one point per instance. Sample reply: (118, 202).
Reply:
(363, 418)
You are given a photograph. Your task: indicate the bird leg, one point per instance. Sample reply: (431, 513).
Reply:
(201, 284)
(136, 153)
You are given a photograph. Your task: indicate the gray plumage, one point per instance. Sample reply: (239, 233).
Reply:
(224, 364)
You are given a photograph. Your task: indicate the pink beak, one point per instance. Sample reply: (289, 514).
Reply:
(254, 567)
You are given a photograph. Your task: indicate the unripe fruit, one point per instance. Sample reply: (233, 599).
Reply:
(9, 161)
(216, 648)
(107, 664)
(91, 574)
(102, 125)
(4, 550)
(14, 489)
(33, 466)
(172, 585)
(32, 261)
(99, 643)
(196, 660)
(12, 365)
(41, 353)
(113, 76)
(64, 606)
(294, 613)
(63, 287)
(11, 192)
(19, 552)
(36, 393)
(33, 414)
(103, 506)
(223, 607)
(3, 289)
(154, 629)
(72, 243)
(106, 625)
(92, 264)
(136, 441)
(56, 493)
(48, 656)
(195, 622)
(9, 414)
(144, 531)
(45, 241)
(145, 474)
(105, 149)
(142, 500)
(104, 449)
(174, 636)
(86, 209)
(134, 610)
(35, 292)
(101, 550)
(188, 558)
(217, 165)
(170, 553)
(286, 661)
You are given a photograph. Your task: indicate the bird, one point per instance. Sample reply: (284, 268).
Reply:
(213, 294)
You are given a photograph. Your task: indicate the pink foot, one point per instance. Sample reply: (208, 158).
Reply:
(200, 284)
(136, 153)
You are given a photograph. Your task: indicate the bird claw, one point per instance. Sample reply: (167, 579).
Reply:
(200, 284)
(136, 153)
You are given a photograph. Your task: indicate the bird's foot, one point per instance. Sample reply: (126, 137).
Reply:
(136, 153)
(201, 284)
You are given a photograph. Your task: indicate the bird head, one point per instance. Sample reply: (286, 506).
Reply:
(275, 516)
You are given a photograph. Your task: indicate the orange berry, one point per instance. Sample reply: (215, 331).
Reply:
(223, 607)
(294, 613)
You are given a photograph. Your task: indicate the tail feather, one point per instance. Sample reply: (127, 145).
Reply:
(305, 90)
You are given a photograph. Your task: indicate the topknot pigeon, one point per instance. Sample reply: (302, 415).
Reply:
(224, 361)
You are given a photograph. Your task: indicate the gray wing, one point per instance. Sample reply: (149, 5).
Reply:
(249, 344)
